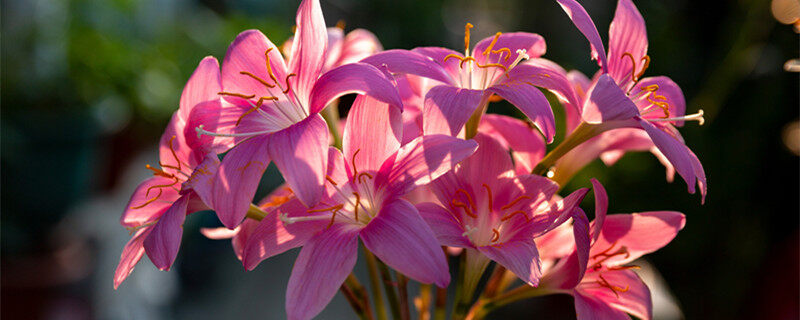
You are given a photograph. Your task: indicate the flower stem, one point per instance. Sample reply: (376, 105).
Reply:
(255, 213)
(391, 294)
(374, 281)
(402, 291)
(472, 266)
(471, 127)
(356, 294)
(484, 306)
(331, 116)
(581, 134)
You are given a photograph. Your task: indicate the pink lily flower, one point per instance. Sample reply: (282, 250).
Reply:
(597, 275)
(620, 98)
(344, 49)
(159, 205)
(527, 146)
(494, 213)
(363, 199)
(468, 81)
(271, 112)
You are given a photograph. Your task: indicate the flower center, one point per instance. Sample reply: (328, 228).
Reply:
(487, 73)
(485, 227)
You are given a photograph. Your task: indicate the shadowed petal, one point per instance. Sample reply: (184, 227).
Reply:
(358, 78)
(401, 239)
(448, 108)
(374, 130)
(635, 300)
(520, 256)
(600, 208)
(322, 266)
(301, 154)
(202, 179)
(531, 102)
(164, 241)
(447, 229)
(410, 62)
(308, 49)
(639, 233)
(130, 256)
(606, 102)
(584, 22)
(526, 144)
(546, 74)
(678, 154)
(588, 307)
(237, 179)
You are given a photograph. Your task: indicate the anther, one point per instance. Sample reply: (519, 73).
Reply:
(341, 24)
(491, 44)
(646, 60)
(468, 196)
(262, 81)
(353, 162)
(269, 66)
(459, 204)
(361, 175)
(604, 283)
(223, 93)
(506, 50)
(692, 117)
(148, 201)
(489, 192)
(511, 215)
(466, 38)
(495, 235)
(330, 180)
(512, 203)
(634, 77)
(288, 86)
(358, 202)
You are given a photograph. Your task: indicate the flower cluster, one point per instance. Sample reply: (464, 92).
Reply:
(418, 171)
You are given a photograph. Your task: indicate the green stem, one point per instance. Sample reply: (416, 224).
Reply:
(255, 213)
(391, 294)
(581, 134)
(485, 306)
(472, 266)
(471, 127)
(355, 293)
(374, 282)
(402, 291)
(331, 116)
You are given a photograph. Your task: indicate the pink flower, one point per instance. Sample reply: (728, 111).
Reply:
(467, 82)
(159, 205)
(362, 200)
(356, 45)
(270, 110)
(619, 97)
(489, 209)
(595, 271)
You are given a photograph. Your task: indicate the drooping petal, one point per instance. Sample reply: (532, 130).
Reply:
(667, 93)
(588, 307)
(448, 108)
(374, 130)
(149, 201)
(202, 179)
(130, 256)
(520, 256)
(237, 180)
(203, 85)
(700, 174)
(532, 43)
(272, 236)
(607, 102)
(401, 239)
(546, 74)
(247, 54)
(421, 161)
(322, 266)
(527, 145)
(638, 233)
(600, 208)
(163, 242)
(358, 44)
(583, 242)
(410, 62)
(531, 102)
(626, 35)
(584, 22)
(677, 153)
(447, 229)
(308, 49)
(358, 78)
(634, 298)
(301, 154)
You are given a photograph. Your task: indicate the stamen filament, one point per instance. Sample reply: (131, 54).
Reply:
(262, 81)
(201, 131)
(512, 203)
(692, 117)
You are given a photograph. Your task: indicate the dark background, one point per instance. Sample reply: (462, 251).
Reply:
(88, 86)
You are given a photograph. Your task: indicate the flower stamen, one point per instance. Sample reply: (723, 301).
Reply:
(262, 81)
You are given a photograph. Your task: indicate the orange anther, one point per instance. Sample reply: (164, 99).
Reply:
(489, 192)
(223, 93)
(495, 235)
(512, 203)
(262, 81)
(288, 86)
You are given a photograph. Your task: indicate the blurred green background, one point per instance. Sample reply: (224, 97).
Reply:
(88, 86)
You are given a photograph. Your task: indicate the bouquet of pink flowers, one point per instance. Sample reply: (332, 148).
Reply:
(418, 171)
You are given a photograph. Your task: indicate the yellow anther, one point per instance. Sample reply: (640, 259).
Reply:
(506, 50)
(239, 95)
(646, 60)
(288, 86)
(633, 68)
(491, 44)
(340, 24)
(511, 215)
(468, 196)
(262, 81)
(269, 66)
(466, 38)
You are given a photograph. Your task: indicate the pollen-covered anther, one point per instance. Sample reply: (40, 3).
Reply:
(512, 214)
(288, 86)
(495, 235)
(515, 201)
(489, 193)
(269, 66)
(262, 81)
(361, 177)
(615, 289)
(458, 204)
(330, 180)
(238, 95)
(466, 38)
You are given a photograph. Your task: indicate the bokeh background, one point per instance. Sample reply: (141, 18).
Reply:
(88, 86)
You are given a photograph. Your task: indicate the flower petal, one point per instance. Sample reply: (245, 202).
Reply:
(532, 43)
(588, 307)
(626, 35)
(142, 208)
(358, 44)
(334, 50)
(531, 102)
(358, 78)
(401, 239)
(308, 49)
(681, 157)
(130, 256)
(668, 92)
(635, 299)
(374, 130)
(520, 256)
(600, 208)
(237, 180)
(421, 161)
(410, 62)
(319, 271)
(247, 54)
(448, 108)
(639, 233)
(447, 229)
(584, 22)
(164, 241)
(202, 179)
(546, 74)
(527, 145)
(606, 102)
(203, 85)
(488, 163)
(301, 154)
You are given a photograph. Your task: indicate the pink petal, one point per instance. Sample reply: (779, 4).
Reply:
(447, 229)
(527, 145)
(635, 300)
(616, 142)
(334, 51)
(668, 91)
(202, 179)
(239, 241)
(488, 163)
(272, 236)
(358, 78)
(301, 154)
(701, 176)
(448, 108)
(606, 102)
(164, 241)
(173, 149)
(203, 85)
(532, 43)
(308, 49)
(401, 239)
(246, 53)
(678, 154)
(600, 208)
(374, 130)
(627, 34)
(438, 54)
(130, 256)
(588, 307)
(520, 256)
(531, 102)
(639, 233)
(358, 44)
(546, 74)
(410, 62)
(237, 179)
(139, 212)
(336, 168)
(319, 271)
(584, 22)
(557, 243)
(583, 242)
(421, 161)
